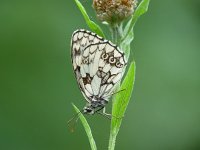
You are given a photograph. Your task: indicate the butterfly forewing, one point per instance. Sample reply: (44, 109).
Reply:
(98, 64)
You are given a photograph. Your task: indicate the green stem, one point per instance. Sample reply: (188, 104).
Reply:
(120, 104)
(112, 142)
(116, 34)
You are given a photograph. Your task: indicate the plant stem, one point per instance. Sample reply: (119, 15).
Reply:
(116, 34)
(112, 140)
(120, 104)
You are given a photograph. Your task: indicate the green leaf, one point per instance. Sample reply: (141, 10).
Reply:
(93, 26)
(87, 129)
(120, 104)
(141, 9)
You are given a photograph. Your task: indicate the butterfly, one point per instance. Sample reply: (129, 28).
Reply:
(98, 65)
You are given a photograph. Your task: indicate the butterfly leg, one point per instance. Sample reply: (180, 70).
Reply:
(104, 112)
(109, 116)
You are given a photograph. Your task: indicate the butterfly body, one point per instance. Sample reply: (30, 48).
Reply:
(94, 106)
(98, 66)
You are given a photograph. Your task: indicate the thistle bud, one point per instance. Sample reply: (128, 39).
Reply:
(114, 11)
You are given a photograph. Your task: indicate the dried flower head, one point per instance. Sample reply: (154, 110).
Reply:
(114, 11)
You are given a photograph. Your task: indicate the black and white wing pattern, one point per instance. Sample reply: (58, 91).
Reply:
(98, 64)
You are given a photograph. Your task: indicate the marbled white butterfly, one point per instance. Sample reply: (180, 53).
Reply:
(98, 65)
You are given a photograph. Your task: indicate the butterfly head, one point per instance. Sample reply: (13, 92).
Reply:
(88, 110)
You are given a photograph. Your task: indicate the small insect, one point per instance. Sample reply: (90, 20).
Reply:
(98, 66)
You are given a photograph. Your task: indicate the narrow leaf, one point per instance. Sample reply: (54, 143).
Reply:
(93, 26)
(87, 129)
(141, 9)
(120, 104)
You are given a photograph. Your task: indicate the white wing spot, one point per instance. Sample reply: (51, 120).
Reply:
(80, 35)
(101, 46)
(117, 54)
(101, 63)
(117, 78)
(109, 48)
(75, 37)
(106, 68)
(93, 48)
(82, 71)
(108, 87)
(86, 52)
(96, 40)
(96, 82)
(91, 38)
(84, 42)
(115, 70)
(89, 88)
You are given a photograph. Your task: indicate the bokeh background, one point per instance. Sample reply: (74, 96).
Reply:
(37, 84)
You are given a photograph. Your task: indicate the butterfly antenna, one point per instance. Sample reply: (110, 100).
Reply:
(109, 116)
(118, 92)
(72, 122)
(115, 93)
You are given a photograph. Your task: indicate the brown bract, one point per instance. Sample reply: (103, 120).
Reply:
(114, 11)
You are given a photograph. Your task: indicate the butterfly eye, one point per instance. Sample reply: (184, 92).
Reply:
(112, 60)
(119, 65)
(104, 56)
(88, 110)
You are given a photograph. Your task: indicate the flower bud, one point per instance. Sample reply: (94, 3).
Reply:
(114, 11)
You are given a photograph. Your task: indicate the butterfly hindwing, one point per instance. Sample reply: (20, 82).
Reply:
(98, 64)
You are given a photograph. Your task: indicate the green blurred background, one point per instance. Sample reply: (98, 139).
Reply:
(37, 84)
